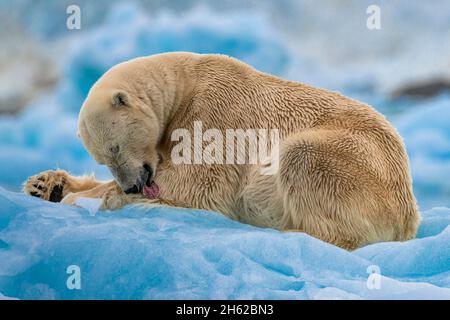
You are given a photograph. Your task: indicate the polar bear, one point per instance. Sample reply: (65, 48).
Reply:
(343, 173)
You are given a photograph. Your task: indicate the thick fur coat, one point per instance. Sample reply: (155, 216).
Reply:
(343, 173)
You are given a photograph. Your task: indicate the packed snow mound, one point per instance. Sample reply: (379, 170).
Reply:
(159, 253)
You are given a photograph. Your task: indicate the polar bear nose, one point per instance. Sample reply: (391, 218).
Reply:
(134, 189)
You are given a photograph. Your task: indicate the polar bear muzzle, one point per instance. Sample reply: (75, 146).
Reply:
(144, 183)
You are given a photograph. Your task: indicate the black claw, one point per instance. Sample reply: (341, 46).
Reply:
(34, 194)
(57, 194)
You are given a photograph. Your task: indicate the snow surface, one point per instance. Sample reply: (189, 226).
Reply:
(173, 253)
(161, 253)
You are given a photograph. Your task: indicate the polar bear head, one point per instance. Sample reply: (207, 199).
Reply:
(120, 130)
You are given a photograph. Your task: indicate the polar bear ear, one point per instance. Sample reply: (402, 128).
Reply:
(119, 99)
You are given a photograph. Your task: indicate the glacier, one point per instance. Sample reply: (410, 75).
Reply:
(162, 253)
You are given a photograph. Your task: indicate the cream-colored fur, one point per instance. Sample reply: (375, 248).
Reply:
(343, 175)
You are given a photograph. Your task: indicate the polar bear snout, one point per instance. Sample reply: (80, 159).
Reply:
(134, 189)
(145, 178)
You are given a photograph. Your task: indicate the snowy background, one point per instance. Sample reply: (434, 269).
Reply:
(46, 71)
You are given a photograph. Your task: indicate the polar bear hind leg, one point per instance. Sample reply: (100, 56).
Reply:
(332, 189)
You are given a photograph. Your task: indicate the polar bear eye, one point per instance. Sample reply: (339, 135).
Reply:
(114, 149)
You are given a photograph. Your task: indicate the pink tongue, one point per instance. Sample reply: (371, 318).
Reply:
(152, 192)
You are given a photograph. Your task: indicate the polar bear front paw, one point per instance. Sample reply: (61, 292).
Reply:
(47, 185)
(114, 201)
